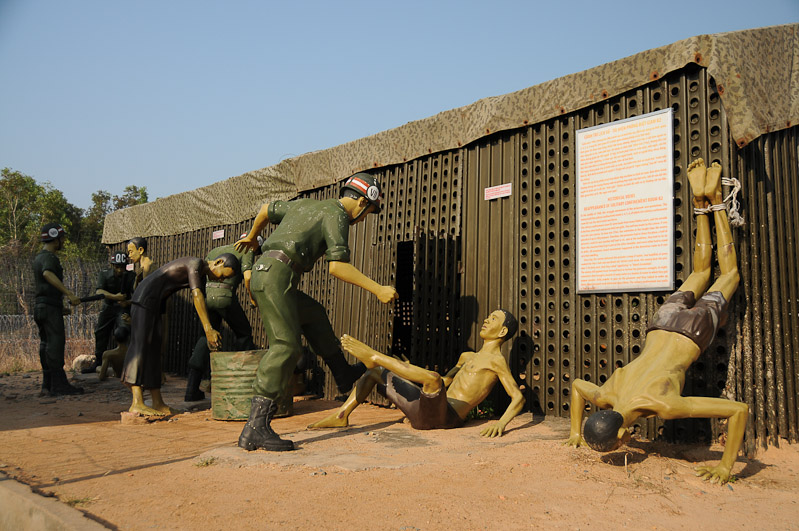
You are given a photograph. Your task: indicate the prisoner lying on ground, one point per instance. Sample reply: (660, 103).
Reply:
(432, 401)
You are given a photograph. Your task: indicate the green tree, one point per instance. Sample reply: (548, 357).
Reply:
(19, 195)
(25, 205)
(103, 203)
(131, 196)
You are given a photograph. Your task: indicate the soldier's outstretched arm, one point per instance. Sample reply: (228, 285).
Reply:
(720, 408)
(247, 277)
(53, 280)
(250, 242)
(582, 391)
(349, 273)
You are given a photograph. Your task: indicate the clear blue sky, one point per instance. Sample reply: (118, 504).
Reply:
(177, 94)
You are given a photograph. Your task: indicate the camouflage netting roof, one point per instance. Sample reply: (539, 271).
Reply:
(756, 72)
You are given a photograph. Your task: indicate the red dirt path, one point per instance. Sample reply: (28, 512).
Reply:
(187, 473)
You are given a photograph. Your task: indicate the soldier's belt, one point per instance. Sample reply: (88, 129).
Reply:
(218, 285)
(283, 257)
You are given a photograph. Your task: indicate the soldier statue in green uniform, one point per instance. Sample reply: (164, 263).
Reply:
(116, 285)
(222, 304)
(307, 229)
(49, 311)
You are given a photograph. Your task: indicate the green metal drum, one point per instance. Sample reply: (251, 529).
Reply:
(232, 375)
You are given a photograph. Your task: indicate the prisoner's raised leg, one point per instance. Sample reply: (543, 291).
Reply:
(430, 381)
(359, 394)
(697, 177)
(699, 278)
(728, 281)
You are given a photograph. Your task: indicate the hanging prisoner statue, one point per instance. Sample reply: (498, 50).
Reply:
(142, 366)
(223, 305)
(307, 229)
(432, 401)
(682, 329)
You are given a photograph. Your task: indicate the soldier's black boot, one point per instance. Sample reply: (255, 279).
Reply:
(345, 374)
(59, 385)
(193, 393)
(45, 383)
(257, 432)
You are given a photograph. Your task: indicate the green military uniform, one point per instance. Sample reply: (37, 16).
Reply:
(222, 304)
(111, 309)
(48, 312)
(307, 230)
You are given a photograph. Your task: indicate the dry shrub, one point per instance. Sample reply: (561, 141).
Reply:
(22, 355)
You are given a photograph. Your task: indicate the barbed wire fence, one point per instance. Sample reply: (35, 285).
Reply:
(19, 336)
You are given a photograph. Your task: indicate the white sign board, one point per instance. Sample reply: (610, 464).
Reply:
(218, 234)
(495, 192)
(625, 215)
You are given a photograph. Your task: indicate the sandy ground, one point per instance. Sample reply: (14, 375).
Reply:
(186, 472)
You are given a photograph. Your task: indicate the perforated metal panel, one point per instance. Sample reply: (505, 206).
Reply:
(565, 336)
(455, 257)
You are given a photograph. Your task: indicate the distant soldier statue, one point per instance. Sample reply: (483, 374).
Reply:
(116, 285)
(49, 311)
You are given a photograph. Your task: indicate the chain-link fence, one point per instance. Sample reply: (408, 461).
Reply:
(19, 337)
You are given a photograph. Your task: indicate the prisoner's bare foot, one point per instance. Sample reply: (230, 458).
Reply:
(362, 351)
(715, 474)
(696, 176)
(713, 183)
(164, 409)
(146, 411)
(575, 440)
(159, 405)
(336, 420)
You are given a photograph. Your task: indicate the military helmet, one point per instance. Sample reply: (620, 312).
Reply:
(52, 231)
(365, 185)
(118, 258)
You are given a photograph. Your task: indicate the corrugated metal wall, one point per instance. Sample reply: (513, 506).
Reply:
(455, 257)
(564, 335)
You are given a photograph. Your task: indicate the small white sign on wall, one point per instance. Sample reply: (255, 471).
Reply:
(218, 234)
(495, 192)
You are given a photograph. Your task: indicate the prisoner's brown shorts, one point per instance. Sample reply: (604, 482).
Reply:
(697, 320)
(424, 411)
